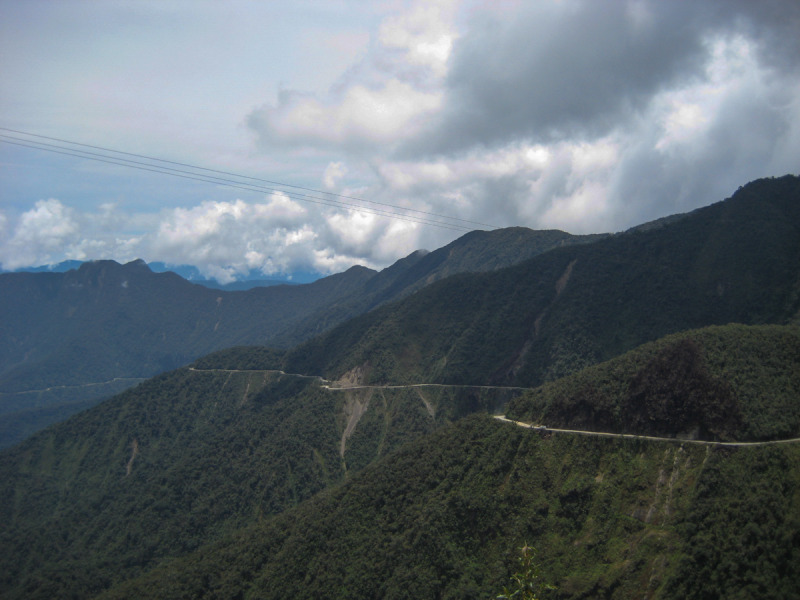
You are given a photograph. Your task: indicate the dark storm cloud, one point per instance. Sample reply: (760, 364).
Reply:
(775, 24)
(582, 115)
(581, 69)
(747, 139)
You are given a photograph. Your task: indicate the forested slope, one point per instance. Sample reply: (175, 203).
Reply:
(734, 261)
(730, 382)
(231, 478)
(200, 455)
(445, 518)
(475, 252)
(69, 339)
(184, 458)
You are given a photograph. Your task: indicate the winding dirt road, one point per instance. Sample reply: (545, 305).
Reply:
(631, 436)
(326, 385)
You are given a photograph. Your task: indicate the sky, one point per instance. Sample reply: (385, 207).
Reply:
(414, 122)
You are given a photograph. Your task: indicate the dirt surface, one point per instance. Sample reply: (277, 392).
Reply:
(355, 405)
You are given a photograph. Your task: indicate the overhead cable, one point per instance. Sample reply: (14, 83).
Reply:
(157, 165)
(235, 184)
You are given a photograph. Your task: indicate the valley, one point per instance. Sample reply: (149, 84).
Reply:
(628, 405)
(104, 321)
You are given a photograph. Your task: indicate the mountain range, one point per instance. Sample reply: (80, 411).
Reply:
(72, 338)
(571, 307)
(364, 461)
(246, 281)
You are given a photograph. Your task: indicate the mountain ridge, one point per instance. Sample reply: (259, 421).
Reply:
(233, 479)
(109, 322)
(251, 465)
(734, 261)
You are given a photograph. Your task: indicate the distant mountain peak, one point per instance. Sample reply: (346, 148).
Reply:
(138, 263)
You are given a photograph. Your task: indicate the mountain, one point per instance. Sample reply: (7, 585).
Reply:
(62, 267)
(728, 383)
(241, 286)
(734, 261)
(108, 320)
(267, 485)
(475, 252)
(72, 338)
(234, 479)
(180, 460)
(446, 518)
(245, 281)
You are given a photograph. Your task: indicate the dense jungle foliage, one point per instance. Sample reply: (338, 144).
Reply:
(69, 339)
(247, 475)
(444, 518)
(31, 411)
(734, 261)
(729, 382)
(186, 457)
(196, 456)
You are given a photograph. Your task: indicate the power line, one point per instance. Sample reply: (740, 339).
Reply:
(154, 168)
(419, 216)
(229, 183)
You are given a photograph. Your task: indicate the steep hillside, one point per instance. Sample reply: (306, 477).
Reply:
(730, 383)
(445, 518)
(734, 261)
(475, 252)
(108, 320)
(72, 338)
(191, 457)
(184, 458)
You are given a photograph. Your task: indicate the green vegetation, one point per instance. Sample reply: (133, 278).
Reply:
(185, 458)
(733, 382)
(572, 307)
(248, 358)
(526, 584)
(232, 479)
(438, 519)
(38, 409)
(158, 471)
(106, 321)
(741, 534)
(216, 483)
(475, 252)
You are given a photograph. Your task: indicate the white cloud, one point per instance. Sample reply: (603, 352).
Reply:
(361, 117)
(561, 115)
(333, 173)
(573, 114)
(561, 185)
(588, 201)
(389, 95)
(424, 34)
(281, 211)
(39, 234)
(225, 238)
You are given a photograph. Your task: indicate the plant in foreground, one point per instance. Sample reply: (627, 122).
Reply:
(526, 584)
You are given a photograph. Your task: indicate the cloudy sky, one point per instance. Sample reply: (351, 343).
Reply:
(415, 121)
